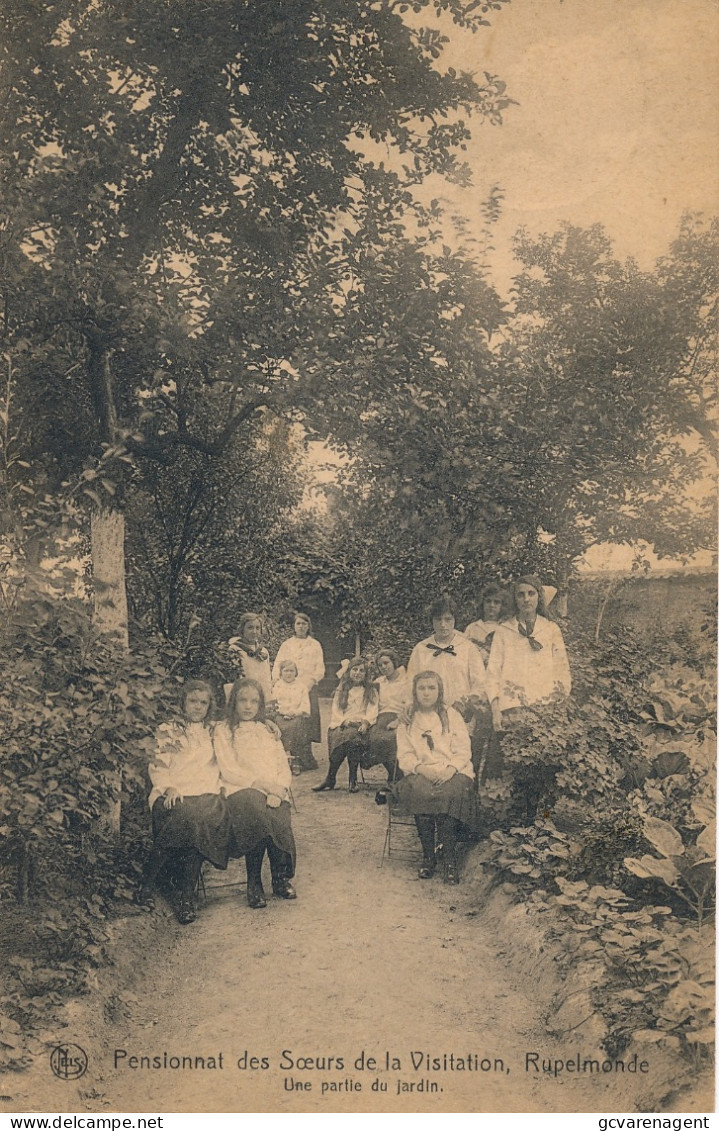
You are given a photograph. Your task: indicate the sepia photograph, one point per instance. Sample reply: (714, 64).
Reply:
(358, 577)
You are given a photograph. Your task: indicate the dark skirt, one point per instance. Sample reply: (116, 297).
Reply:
(347, 741)
(314, 723)
(456, 798)
(382, 742)
(294, 732)
(296, 740)
(202, 823)
(253, 823)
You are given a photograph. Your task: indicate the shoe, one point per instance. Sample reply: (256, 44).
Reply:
(144, 898)
(284, 889)
(256, 898)
(322, 786)
(354, 788)
(451, 875)
(186, 911)
(427, 869)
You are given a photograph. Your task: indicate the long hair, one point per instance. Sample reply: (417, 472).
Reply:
(237, 686)
(533, 580)
(198, 685)
(345, 683)
(439, 706)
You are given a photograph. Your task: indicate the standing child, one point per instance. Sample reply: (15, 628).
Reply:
(491, 607)
(189, 817)
(292, 715)
(485, 744)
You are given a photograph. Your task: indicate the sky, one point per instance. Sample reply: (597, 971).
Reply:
(617, 120)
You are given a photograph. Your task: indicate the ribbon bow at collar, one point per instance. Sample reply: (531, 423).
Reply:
(533, 643)
(257, 653)
(438, 651)
(427, 736)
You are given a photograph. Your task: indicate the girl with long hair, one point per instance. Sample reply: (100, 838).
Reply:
(189, 817)
(255, 776)
(434, 754)
(354, 710)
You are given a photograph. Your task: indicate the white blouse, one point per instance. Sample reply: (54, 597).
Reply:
(357, 710)
(308, 656)
(447, 748)
(184, 759)
(462, 674)
(252, 758)
(394, 694)
(519, 675)
(291, 698)
(477, 632)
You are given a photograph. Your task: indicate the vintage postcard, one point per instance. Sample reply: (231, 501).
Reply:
(357, 373)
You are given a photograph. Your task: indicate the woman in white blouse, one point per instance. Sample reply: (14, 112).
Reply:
(527, 661)
(527, 671)
(354, 710)
(434, 754)
(307, 653)
(255, 776)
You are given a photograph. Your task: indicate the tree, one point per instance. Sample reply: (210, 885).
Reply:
(207, 538)
(180, 195)
(566, 429)
(599, 358)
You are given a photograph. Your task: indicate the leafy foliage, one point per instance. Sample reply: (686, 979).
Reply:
(626, 782)
(74, 716)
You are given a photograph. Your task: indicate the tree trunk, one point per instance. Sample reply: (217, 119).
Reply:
(110, 607)
(108, 571)
(564, 567)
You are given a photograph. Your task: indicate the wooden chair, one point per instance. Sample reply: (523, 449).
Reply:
(400, 838)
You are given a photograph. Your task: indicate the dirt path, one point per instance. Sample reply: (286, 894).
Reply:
(366, 959)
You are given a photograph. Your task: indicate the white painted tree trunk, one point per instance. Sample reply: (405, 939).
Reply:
(107, 529)
(108, 572)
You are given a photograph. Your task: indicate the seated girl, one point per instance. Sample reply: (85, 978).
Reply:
(292, 714)
(354, 710)
(190, 821)
(255, 776)
(395, 697)
(434, 753)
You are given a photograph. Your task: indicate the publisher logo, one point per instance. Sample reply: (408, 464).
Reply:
(68, 1062)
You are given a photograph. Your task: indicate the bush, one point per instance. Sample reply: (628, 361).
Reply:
(624, 780)
(76, 727)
